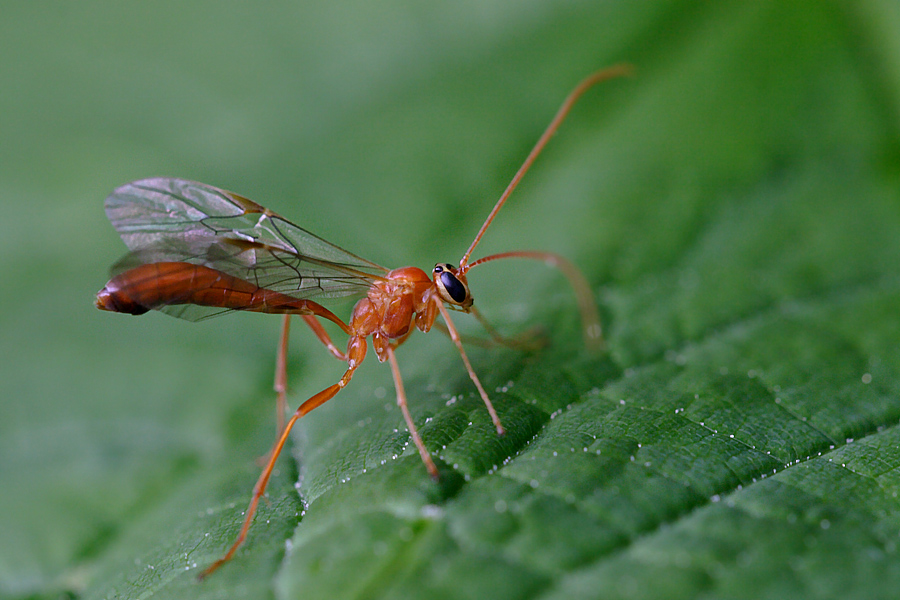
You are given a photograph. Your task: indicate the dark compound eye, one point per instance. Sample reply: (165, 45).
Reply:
(454, 287)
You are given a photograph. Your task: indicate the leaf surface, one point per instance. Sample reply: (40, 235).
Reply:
(735, 204)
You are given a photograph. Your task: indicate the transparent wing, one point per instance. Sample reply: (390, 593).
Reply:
(166, 219)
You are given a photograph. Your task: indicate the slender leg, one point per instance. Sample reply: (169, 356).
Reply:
(281, 359)
(590, 319)
(401, 402)
(527, 340)
(470, 340)
(454, 335)
(324, 337)
(260, 488)
(281, 374)
(523, 341)
(280, 385)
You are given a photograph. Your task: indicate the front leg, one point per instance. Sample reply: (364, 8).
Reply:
(454, 335)
(590, 318)
(413, 432)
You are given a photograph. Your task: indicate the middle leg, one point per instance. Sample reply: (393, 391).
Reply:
(280, 385)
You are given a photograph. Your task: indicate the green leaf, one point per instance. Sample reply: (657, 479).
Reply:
(735, 205)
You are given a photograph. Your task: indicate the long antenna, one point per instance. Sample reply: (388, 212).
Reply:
(581, 88)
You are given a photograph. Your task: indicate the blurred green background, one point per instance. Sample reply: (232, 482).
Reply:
(735, 205)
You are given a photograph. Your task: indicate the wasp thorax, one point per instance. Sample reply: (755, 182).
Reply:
(451, 286)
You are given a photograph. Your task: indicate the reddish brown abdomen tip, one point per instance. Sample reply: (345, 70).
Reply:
(115, 301)
(102, 301)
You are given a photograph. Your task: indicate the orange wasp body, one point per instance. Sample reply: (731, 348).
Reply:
(197, 250)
